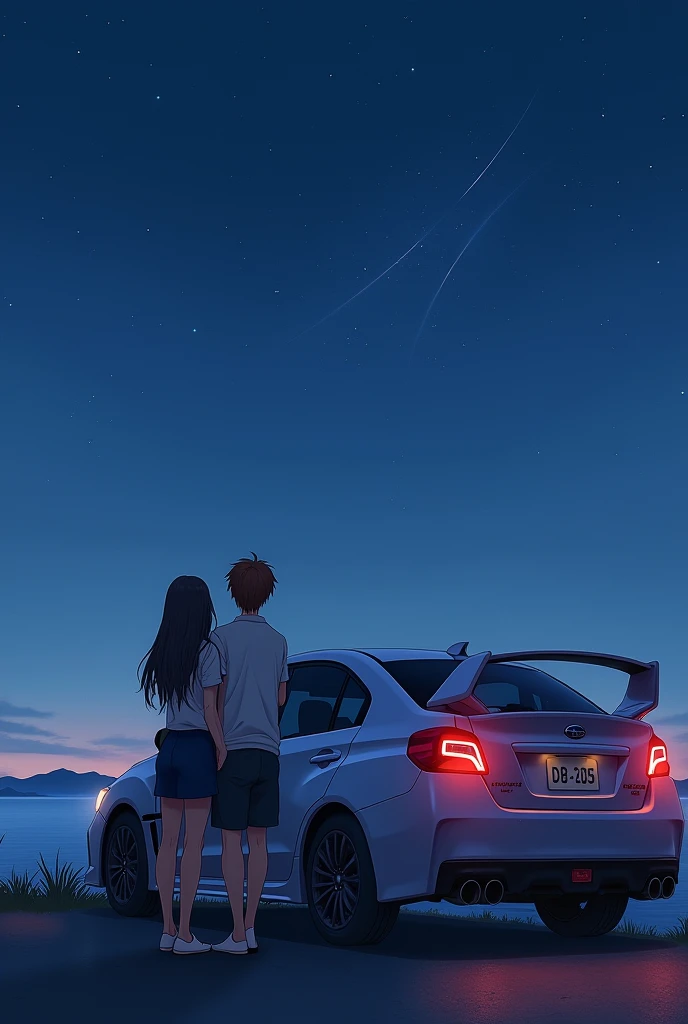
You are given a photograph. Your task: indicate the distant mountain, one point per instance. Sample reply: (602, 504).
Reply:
(61, 782)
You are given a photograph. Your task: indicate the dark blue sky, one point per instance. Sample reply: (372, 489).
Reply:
(184, 191)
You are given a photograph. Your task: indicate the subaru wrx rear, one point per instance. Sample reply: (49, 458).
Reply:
(533, 794)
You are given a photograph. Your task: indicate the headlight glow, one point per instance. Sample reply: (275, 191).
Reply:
(101, 797)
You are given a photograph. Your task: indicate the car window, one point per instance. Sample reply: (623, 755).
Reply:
(517, 688)
(353, 706)
(312, 693)
(497, 696)
(502, 687)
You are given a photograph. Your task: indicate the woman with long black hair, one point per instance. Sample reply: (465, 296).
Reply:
(183, 671)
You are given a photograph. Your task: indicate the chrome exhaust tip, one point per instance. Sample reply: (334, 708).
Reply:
(654, 889)
(469, 893)
(668, 887)
(493, 892)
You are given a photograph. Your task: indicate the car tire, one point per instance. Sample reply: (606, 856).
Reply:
(574, 919)
(125, 867)
(341, 886)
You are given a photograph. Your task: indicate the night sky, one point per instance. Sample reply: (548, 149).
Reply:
(186, 190)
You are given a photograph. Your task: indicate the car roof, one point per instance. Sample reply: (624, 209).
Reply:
(387, 653)
(404, 654)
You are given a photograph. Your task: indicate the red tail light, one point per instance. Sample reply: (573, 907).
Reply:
(658, 758)
(447, 750)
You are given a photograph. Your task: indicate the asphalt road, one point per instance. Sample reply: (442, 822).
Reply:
(96, 966)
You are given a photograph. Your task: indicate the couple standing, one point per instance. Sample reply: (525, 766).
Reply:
(222, 690)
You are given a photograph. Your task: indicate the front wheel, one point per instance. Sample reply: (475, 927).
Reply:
(575, 919)
(341, 887)
(126, 868)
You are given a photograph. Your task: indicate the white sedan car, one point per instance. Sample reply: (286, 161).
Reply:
(410, 775)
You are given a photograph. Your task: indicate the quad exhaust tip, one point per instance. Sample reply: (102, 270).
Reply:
(668, 887)
(469, 893)
(493, 892)
(654, 889)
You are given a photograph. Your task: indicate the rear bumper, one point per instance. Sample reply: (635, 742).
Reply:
(525, 881)
(453, 818)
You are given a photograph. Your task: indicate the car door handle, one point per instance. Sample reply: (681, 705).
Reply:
(324, 757)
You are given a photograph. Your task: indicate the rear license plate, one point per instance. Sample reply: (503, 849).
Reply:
(572, 774)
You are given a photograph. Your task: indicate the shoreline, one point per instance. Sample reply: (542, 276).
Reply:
(48, 796)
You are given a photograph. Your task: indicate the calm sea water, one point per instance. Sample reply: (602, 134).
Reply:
(48, 825)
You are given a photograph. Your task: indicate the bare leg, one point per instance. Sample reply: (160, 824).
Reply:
(166, 861)
(196, 818)
(257, 872)
(233, 872)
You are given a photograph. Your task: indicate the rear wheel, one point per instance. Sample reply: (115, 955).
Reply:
(574, 918)
(126, 868)
(341, 887)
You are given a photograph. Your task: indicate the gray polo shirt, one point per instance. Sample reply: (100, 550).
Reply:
(191, 715)
(254, 659)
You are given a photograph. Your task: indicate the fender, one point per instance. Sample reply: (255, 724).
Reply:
(133, 793)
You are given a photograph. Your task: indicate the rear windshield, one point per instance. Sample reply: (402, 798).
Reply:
(502, 688)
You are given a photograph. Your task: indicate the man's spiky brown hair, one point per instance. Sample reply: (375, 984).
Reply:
(251, 582)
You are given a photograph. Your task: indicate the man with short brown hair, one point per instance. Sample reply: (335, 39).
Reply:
(253, 664)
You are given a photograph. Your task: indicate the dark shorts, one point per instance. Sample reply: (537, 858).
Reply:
(186, 766)
(247, 791)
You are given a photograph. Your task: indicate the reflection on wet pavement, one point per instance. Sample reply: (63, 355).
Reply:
(47, 926)
(647, 987)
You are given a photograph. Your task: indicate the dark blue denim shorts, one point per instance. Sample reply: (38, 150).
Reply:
(186, 766)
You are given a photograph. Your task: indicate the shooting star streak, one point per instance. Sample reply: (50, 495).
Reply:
(448, 274)
(422, 238)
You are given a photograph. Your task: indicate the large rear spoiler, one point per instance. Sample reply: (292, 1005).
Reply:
(641, 697)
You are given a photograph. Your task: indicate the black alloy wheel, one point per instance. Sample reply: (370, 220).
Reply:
(574, 918)
(126, 868)
(335, 880)
(341, 886)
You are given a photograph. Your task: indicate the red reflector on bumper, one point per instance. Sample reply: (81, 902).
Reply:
(581, 875)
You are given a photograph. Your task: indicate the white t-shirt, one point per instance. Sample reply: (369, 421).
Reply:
(190, 715)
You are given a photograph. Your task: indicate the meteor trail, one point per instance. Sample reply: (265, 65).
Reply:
(447, 275)
(423, 236)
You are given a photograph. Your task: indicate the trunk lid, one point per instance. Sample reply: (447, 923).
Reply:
(534, 765)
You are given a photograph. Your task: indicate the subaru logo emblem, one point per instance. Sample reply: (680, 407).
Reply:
(574, 732)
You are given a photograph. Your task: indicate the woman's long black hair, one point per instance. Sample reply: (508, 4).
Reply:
(172, 661)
